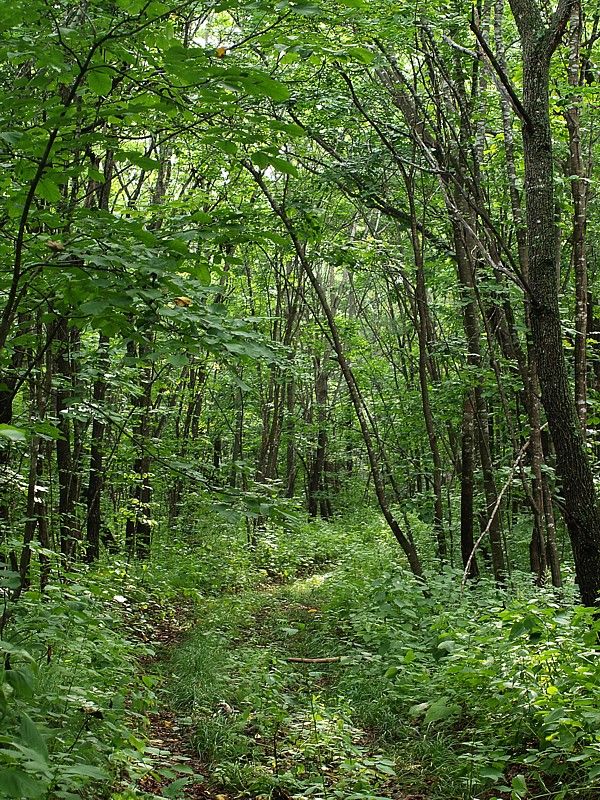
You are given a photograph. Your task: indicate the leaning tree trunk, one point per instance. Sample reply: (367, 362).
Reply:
(361, 411)
(582, 515)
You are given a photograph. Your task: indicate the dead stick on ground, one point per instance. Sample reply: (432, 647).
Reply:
(329, 660)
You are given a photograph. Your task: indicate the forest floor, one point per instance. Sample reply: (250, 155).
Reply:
(315, 667)
(309, 667)
(246, 719)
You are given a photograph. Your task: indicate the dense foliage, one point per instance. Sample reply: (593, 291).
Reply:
(264, 263)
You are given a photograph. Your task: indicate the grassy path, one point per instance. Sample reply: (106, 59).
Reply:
(444, 696)
(265, 727)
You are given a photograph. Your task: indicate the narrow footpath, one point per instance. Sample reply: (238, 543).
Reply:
(254, 704)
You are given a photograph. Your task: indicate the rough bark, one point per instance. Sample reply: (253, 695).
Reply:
(580, 502)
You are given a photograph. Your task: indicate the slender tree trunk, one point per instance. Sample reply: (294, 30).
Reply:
(139, 527)
(467, 465)
(96, 474)
(577, 177)
(581, 508)
(237, 450)
(480, 410)
(67, 483)
(432, 436)
(290, 428)
(315, 476)
(31, 518)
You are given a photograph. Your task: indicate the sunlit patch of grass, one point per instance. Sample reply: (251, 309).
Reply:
(309, 584)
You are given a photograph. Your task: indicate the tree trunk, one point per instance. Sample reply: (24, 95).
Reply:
(467, 539)
(315, 476)
(67, 483)
(577, 177)
(96, 475)
(581, 509)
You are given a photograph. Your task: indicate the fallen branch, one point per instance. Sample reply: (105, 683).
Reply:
(329, 660)
(494, 512)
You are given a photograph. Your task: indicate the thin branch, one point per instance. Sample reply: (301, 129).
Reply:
(514, 99)
(495, 510)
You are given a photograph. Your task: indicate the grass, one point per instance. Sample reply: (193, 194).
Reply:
(450, 695)
(264, 724)
(441, 696)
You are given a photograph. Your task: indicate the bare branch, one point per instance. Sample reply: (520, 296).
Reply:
(503, 77)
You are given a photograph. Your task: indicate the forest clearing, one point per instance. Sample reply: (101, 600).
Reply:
(299, 400)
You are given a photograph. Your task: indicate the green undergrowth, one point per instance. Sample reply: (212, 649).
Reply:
(471, 693)
(78, 662)
(454, 693)
(72, 697)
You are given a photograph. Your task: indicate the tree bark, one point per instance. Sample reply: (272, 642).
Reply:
(581, 508)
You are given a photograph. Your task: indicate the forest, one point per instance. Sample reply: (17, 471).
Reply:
(299, 400)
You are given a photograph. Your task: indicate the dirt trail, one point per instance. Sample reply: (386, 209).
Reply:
(287, 736)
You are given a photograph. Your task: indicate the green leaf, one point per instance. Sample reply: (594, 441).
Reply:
(48, 190)
(258, 84)
(137, 159)
(16, 783)
(173, 789)
(306, 10)
(418, 709)
(230, 148)
(202, 271)
(22, 681)
(264, 160)
(525, 625)
(11, 137)
(46, 430)
(519, 785)
(9, 579)
(361, 54)
(491, 773)
(261, 159)
(385, 767)
(13, 650)
(86, 771)
(277, 238)
(12, 433)
(441, 710)
(281, 165)
(100, 81)
(32, 737)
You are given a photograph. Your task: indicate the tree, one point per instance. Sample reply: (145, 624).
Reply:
(539, 41)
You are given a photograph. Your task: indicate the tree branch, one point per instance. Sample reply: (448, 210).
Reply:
(558, 24)
(503, 77)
